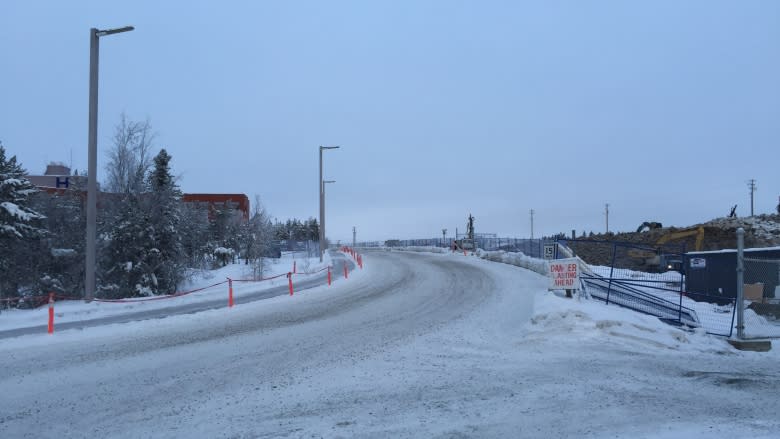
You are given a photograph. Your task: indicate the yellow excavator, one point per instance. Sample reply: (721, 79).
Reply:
(699, 232)
(658, 260)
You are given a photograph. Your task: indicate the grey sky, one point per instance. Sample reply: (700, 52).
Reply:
(662, 109)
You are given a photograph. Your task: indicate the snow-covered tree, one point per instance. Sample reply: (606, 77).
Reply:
(60, 262)
(165, 217)
(144, 251)
(225, 228)
(129, 251)
(194, 235)
(19, 225)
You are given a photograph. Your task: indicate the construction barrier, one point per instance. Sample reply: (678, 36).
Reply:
(39, 300)
(50, 329)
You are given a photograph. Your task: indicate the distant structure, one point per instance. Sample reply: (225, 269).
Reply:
(239, 202)
(57, 178)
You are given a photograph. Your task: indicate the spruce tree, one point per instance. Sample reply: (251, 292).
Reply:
(19, 226)
(166, 256)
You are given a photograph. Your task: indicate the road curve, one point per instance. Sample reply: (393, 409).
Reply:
(155, 379)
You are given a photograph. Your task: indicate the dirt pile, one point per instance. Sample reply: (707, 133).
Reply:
(720, 233)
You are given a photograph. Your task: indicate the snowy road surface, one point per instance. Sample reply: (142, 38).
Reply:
(415, 345)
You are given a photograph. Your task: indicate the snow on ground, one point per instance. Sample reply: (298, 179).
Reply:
(512, 361)
(77, 310)
(712, 316)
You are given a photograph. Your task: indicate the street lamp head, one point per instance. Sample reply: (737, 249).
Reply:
(329, 181)
(330, 147)
(105, 32)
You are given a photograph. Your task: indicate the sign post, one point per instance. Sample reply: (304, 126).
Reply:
(549, 251)
(564, 275)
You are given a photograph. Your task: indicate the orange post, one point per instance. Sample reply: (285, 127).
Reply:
(51, 313)
(230, 293)
(289, 281)
(346, 273)
(328, 275)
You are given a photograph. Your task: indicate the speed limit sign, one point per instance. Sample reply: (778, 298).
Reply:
(549, 251)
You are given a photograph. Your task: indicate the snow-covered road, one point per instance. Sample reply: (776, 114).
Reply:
(415, 345)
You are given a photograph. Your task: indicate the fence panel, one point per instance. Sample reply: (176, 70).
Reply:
(762, 298)
(650, 280)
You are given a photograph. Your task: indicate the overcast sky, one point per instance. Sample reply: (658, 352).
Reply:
(664, 110)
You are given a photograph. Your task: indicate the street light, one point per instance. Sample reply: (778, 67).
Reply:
(322, 202)
(94, 45)
(322, 228)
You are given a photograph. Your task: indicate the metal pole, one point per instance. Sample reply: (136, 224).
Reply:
(354, 236)
(89, 281)
(322, 214)
(740, 283)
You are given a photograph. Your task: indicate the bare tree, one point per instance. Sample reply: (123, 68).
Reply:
(260, 238)
(130, 158)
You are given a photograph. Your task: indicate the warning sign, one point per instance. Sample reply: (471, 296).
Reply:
(564, 274)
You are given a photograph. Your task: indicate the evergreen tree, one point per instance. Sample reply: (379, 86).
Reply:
(19, 226)
(61, 257)
(129, 251)
(166, 256)
(194, 235)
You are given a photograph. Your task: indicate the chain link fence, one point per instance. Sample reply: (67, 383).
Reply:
(761, 291)
(650, 280)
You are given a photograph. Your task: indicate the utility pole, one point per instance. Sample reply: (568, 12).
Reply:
(444, 237)
(606, 212)
(354, 236)
(532, 224)
(753, 188)
(322, 203)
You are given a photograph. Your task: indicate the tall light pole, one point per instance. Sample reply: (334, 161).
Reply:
(322, 203)
(532, 223)
(324, 182)
(94, 52)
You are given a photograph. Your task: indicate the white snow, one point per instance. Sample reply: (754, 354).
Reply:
(15, 211)
(509, 360)
(77, 310)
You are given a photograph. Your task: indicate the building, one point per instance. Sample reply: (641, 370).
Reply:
(239, 202)
(58, 178)
(713, 274)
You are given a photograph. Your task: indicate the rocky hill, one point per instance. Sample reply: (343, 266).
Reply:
(720, 233)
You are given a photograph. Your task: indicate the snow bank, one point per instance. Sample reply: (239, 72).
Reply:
(573, 320)
(73, 310)
(518, 259)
